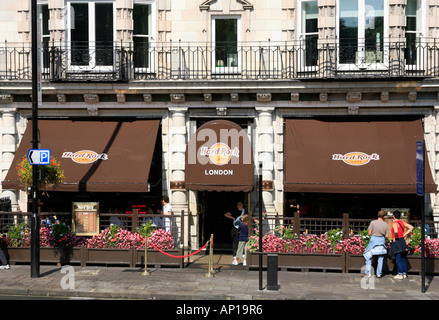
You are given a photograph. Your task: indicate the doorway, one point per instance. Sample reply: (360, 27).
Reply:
(212, 221)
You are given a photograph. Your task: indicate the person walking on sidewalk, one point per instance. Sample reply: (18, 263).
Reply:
(3, 259)
(378, 231)
(242, 223)
(398, 247)
(234, 234)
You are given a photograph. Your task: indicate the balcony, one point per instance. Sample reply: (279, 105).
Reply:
(301, 60)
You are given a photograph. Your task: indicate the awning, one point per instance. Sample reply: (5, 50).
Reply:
(353, 157)
(95, 156)
(219, 157)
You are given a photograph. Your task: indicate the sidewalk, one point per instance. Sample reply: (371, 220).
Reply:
(191, 283)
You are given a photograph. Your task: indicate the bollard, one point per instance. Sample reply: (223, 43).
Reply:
(209, 273)
(146, 273)
(272, 264)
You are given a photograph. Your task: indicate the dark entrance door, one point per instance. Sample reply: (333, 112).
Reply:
(214, 206)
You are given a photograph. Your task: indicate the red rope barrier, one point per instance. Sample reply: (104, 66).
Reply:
(170, 255)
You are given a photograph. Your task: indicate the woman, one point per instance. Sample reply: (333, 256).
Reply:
(399, 247)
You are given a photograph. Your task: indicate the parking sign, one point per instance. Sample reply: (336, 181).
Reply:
(39, 156)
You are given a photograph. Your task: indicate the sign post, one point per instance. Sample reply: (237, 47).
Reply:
(36, 94)
(420, 179)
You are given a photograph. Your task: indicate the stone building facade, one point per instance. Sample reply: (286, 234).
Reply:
(254, 62)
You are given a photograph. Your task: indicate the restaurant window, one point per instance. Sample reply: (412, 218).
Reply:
(362, 27)
(413, 30)
(226, 37)
(143, 35)
(309, 13)
(91, 33)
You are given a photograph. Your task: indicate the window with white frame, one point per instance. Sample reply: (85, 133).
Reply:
(226, 38)
(362, 28)
(413, 12)
(43, 17)
(308, 35)
(143, 12)
(91, 33)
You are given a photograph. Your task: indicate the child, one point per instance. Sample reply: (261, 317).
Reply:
(242, 223)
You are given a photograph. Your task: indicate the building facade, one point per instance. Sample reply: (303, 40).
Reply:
(255, 63)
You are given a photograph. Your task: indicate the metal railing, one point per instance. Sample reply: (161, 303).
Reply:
(125, 221)
(316, 59)
(319, 226)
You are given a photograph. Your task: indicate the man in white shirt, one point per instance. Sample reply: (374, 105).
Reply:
(166, 210)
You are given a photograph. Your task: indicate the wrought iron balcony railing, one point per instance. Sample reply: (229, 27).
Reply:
(309, 59)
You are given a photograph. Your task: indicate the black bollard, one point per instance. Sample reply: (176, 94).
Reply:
(272, 265)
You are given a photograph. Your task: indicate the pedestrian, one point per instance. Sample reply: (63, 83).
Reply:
(398, 247)
(242, 223)
(378, 231)
(234, 233)
(3, 259)
(166, 210)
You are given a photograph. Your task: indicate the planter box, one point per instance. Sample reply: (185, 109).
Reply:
(85, 256)
(301, 261)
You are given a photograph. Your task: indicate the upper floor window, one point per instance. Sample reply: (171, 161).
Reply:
(226, 36)
(91, 33)
(413, 29)
(142, 33)
(362, 27)
(308, 34)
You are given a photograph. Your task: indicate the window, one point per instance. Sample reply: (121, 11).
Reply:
(362, 27)
(91, 33)
(413, 30)
(226, 37)
(309, 13)
(43, 13)
(142, 35)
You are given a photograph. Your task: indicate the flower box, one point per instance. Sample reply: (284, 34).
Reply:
(86, 256)
(303, 261)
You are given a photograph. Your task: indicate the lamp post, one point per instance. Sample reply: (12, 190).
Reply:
(36, 93)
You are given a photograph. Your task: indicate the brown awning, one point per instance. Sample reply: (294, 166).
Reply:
(95, 156)
(353, 157)
(219, 157)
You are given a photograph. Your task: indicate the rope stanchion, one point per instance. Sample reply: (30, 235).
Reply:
(209, 273)
(185, 256)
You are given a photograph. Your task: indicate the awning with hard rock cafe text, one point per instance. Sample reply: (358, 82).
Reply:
(353, 156)
(107, 156)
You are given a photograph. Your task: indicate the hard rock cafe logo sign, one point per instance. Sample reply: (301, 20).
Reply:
(356, 158)
(219, 153)
(85, 156)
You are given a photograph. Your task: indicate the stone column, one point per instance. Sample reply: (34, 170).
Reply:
(8, 146)
(177, 140)
(327, 37)
(265, 153)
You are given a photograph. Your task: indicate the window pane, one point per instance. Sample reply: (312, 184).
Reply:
(104, 33)
(226, 42)
(141, 17)
(79, 34)
(142, 29)
(348, 31)
(141, 52)
(310, 14)
(374, 28)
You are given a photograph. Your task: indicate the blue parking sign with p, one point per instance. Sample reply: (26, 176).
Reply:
(39, 156)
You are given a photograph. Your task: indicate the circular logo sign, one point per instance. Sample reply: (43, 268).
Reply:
(356, 158)
(219, 153)
(85, 156)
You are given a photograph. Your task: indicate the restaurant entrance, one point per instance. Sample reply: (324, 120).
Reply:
(212, 221)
